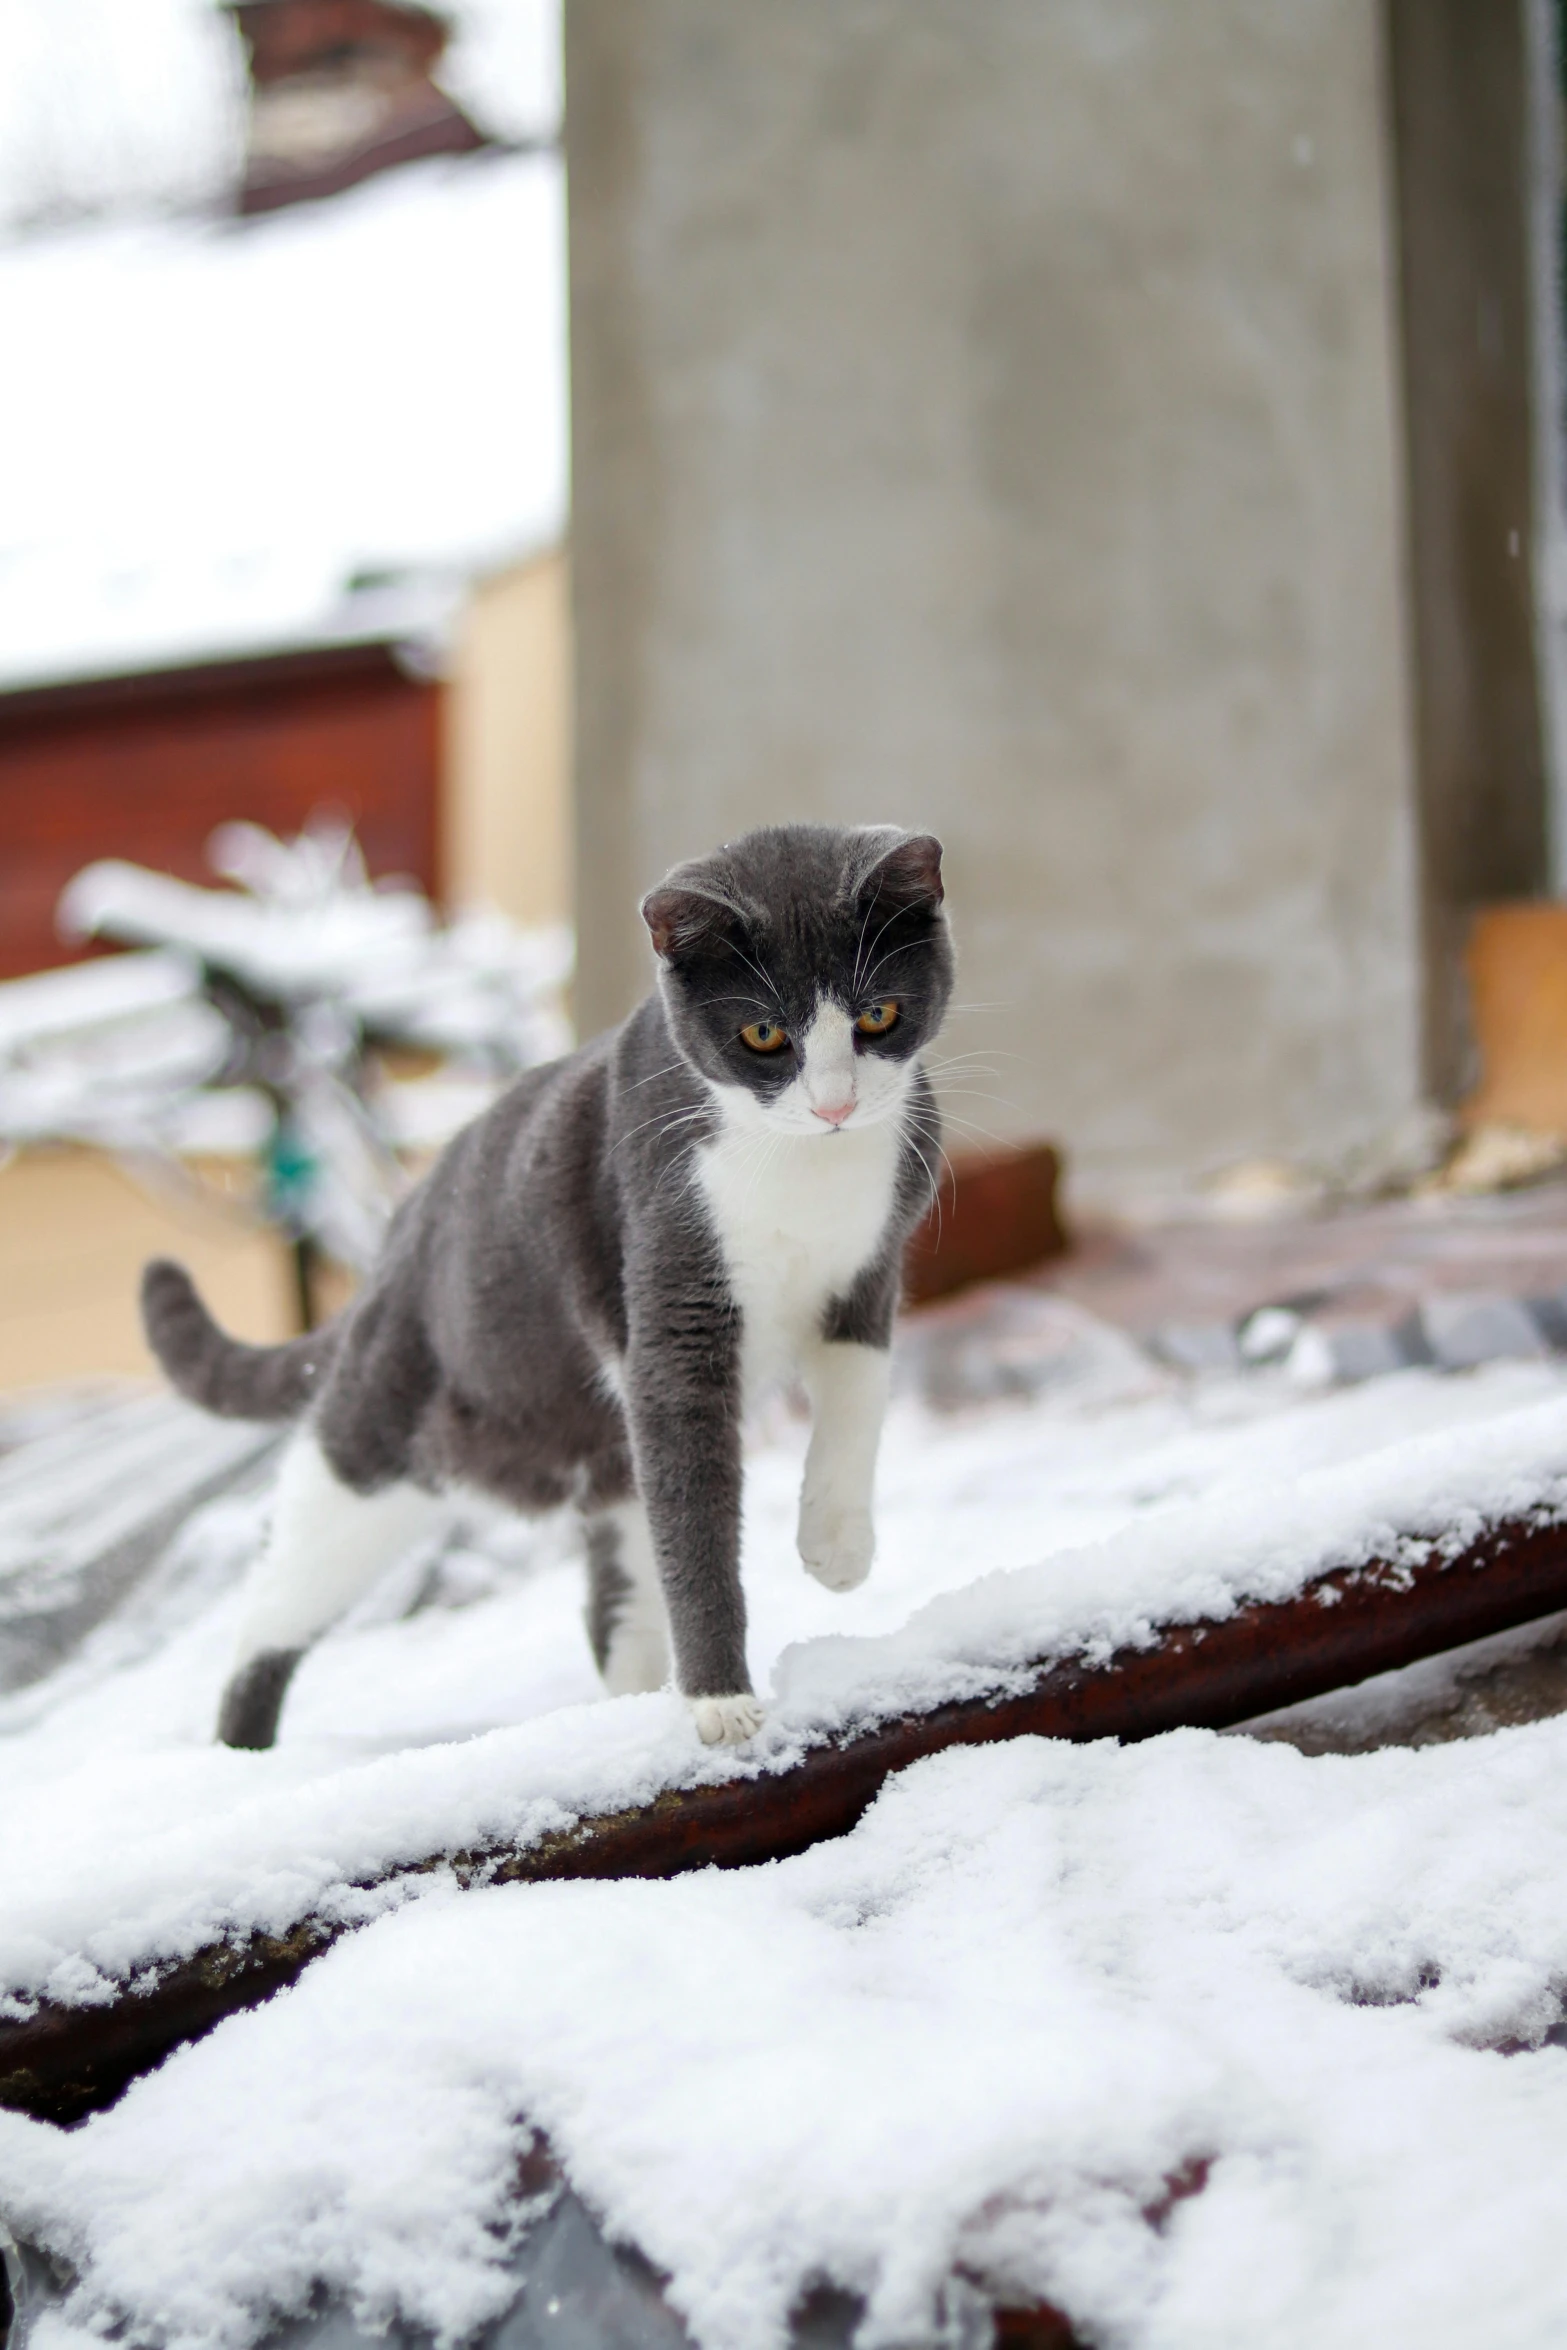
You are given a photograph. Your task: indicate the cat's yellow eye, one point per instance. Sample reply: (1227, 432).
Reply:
(876, 1019)
(765, 1036)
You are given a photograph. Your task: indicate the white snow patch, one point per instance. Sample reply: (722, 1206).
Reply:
(1038, 1984)
(483, 1724)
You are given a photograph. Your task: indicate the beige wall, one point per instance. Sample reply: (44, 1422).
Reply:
(75, 1231)
(987, 419)
(507, 807)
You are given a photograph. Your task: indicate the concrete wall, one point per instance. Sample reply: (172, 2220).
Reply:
(984, 416)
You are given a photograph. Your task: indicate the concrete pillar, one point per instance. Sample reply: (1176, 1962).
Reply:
(987, 417)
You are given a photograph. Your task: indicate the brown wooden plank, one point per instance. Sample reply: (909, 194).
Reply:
(1517, 965)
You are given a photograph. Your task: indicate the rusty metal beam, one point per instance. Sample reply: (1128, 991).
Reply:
(1349, 1623)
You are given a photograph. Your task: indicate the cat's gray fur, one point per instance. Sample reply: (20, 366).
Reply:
(552, 1318)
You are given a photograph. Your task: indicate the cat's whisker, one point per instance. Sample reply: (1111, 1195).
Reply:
(665, 1120)
(764, 976)
(931, 1137)
(961, 1069)
(864, 985)
(933, 1204)
(672, 1119)
(936, 1062)
(929, 1128)
(977, 1093)
(983, 1133)
(954, 1118)
(667, 1070)
(932, 1131)
(862, 978)
(861, 983)
(908, 946)
(859, 949)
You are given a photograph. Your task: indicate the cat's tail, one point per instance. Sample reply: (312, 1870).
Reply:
(237, 1382)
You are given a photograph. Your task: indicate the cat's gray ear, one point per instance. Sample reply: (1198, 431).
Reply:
(680, 918)
(907, 873)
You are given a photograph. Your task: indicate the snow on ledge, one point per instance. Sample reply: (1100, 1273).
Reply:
(84, 1914)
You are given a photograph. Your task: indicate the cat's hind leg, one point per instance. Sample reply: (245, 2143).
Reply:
(627, 1624)
(326, 1545)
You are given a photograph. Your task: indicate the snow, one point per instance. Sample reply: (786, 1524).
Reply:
(141, 102)
(482, 1724)
(58, 1003)
(99, 1049)
(107, 101)
(128, 1053)
(379, 952)
(85, 1506)
(986, 2031)
(307, 428)
(1037, 1985)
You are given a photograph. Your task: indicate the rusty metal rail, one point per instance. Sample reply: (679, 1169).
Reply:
(64, 2062)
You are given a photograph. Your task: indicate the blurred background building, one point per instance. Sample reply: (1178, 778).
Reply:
(289, 528)
(284, 524)
(1123, 437)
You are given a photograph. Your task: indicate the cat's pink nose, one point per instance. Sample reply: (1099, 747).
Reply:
(834, 1113)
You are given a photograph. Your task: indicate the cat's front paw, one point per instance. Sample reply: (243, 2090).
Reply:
(726, 1721)
(836, 1545)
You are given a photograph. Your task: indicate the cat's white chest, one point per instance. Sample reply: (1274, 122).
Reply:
(797, 1218)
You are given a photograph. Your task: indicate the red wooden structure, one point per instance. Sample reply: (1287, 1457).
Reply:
(145, 766)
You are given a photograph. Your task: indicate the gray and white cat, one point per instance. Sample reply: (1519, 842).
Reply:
(599, 1275)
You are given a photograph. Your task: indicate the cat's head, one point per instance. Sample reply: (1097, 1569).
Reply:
(802, 969)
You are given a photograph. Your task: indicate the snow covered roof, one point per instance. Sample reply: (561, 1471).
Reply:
(241, 437)
(1197, 2039)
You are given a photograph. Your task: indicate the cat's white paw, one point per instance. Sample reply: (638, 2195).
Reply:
(727, 1721)
(836, 1545)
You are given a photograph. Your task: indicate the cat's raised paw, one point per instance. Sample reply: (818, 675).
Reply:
(836, 1546)
(726, 1721)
